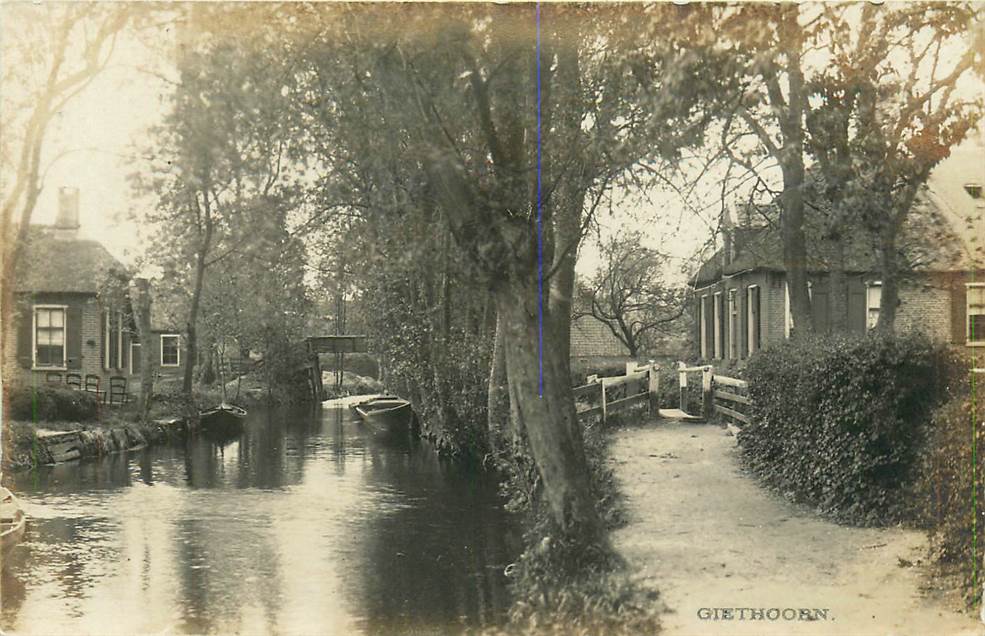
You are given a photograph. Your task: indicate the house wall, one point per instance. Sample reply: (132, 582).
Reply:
(771, 311)
(925, 305)
(931, 303)
(17, 358)
(83, 351)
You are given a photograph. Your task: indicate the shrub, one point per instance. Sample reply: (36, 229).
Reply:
(948, 488)
(838, 422)
(49, 403)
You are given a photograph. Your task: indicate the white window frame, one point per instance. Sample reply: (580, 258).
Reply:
(716, 318)
(751, 336)
(967, 316)
(868, 309)
(107, 363)
(34, 338)
(703, 319)
(733, 324)
(161, 356)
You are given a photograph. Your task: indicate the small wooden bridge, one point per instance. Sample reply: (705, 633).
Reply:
(720, 394)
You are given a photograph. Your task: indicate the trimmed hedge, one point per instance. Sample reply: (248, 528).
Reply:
(946, 490)
(839, 422)
(49, 403)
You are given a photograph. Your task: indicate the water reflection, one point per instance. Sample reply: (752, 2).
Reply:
(302, 525)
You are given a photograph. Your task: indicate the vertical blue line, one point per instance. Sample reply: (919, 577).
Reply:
(540, 238)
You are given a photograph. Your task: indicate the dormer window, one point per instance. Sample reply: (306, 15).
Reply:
(974, 190)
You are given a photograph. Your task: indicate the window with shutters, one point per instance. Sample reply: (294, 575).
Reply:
(752, 318)
(113, 355)
(703, 309)
(170, 350)
(49, 336)
(717, 313)
(975, 312)
(733, 325)
(873, 298)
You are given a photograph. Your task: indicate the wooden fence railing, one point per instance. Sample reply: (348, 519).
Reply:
(719, 394)
(605, 396)
(730, 397)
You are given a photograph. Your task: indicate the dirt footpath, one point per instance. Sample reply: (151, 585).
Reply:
(709, 538)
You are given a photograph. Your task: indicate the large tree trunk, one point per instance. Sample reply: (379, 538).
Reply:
(795, 247)
(497, 401)
(191, 341)
(191, 345)
(552, 430)
(141, 301)
(890, 280)
(791, 159)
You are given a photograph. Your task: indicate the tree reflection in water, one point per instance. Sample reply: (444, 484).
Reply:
(303, 524)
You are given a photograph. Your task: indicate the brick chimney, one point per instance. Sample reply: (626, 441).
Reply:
(67, 220)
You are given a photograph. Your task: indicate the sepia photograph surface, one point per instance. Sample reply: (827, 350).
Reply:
(492, 318)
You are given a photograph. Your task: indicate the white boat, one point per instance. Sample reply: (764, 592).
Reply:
(13, 522)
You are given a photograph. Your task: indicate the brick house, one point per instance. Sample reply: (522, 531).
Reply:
(63, 327)
(741, 300)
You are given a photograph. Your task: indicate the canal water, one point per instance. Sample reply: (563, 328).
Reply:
(303, 525)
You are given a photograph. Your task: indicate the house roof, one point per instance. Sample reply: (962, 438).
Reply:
(964, 214)
(53, 264)
(944, 231)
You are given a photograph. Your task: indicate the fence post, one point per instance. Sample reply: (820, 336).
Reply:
(653, 388)
(602, 384)
(707, 403)
(682, 385)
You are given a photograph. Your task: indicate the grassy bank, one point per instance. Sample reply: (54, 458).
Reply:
(559, 585)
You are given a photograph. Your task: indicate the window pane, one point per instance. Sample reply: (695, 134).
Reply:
(44, 318)
(873, 295)
(976, 296)
(50, 356)
(169, 350)
(57, 336)
(57, 318)
(976, 327)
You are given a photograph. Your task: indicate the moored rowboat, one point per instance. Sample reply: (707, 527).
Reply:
(13, 522)
(388, 417)
(225, 419)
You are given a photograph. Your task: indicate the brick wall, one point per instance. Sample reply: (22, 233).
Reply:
(925, 305)
(589, 337)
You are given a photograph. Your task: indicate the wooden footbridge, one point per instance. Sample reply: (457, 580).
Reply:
(720, 395)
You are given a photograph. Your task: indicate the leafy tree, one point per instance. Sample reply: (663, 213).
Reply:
(220, 162)
(630, 294)
(454, 90)
(766, 46)
(890, 109)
